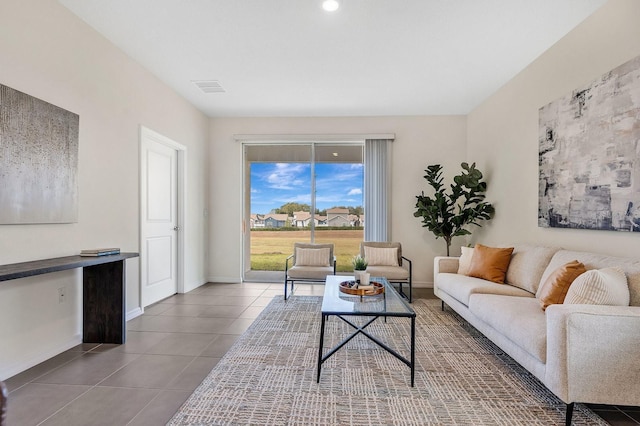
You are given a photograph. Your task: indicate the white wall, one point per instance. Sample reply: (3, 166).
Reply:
(47, 52)
(503, 131)
(420, 141)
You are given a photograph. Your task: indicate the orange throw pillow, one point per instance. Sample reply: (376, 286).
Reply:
(556, 286)
(490, 263)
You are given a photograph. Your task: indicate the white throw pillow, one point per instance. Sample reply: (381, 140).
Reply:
(606, 286)
(381, 256)
(312, 256)
(464, 264)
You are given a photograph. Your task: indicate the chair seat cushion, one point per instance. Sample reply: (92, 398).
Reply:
(309, 272)
(389, 272)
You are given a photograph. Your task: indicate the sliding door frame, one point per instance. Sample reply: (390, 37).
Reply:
(309, 139)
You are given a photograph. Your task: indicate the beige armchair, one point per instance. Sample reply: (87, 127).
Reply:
(386, 260)
(309, 263)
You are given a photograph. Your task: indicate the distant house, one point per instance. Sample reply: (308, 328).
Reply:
(272, 220)
(354, 219)
(338, 217)
(256, 221)
(321, 220)
(302, 219)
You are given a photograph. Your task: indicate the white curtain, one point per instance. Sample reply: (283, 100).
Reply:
(377, 184)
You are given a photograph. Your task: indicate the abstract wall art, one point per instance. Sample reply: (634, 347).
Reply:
(589, 155)
(38, 160)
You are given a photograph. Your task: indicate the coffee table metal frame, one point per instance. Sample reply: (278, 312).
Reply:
(342, 305)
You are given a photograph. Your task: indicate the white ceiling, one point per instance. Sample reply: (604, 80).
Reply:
(371, 57)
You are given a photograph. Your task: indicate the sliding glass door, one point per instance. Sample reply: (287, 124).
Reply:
(306, 192)
(339, 199)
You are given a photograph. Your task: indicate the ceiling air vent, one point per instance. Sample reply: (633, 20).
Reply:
(209, 86)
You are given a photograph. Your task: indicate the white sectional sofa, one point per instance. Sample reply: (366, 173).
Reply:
(582, 353)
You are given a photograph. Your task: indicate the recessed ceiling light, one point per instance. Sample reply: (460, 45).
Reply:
(330, 5)
(335, 154)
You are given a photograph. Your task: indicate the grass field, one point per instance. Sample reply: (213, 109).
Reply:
(269, 249)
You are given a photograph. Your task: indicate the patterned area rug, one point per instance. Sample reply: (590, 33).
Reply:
(269, 376)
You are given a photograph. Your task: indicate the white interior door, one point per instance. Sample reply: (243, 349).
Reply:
(159, 224)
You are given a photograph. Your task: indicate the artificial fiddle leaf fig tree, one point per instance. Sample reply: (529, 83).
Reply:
(447, 214)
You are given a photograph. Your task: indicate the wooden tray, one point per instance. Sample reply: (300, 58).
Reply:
(345, 287)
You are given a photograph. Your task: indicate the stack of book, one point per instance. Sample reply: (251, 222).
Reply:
(100, 252)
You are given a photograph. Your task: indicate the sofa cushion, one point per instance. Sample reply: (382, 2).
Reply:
(528, 262)
(465, 260)
(519, 319)
(606, 286)
(631, 268)
(389, 272)
(556, 286)
(490, 263)
(461, 287)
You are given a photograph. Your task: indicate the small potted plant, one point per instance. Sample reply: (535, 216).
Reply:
(359, 266)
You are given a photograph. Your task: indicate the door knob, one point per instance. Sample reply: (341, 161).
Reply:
(176, 228)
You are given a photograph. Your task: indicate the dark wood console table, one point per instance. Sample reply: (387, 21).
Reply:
(103, 291)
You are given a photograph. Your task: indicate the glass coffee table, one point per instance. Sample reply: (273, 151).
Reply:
(343, 306)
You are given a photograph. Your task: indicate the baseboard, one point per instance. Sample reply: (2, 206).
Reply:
(192, 286)
(34, 359)
(214, 279)
(134, 313)
(422, 284)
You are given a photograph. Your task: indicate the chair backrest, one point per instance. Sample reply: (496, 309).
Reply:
(313, 246)
(378, 244)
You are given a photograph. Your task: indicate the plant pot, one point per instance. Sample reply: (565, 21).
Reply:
(358, 275)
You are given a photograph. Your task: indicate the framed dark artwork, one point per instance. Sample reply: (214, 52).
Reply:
(38, 160)
(589, 155)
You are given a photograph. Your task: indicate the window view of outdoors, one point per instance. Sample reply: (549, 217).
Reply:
(281, 211)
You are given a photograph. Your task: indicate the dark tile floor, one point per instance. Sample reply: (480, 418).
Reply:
(169, 351)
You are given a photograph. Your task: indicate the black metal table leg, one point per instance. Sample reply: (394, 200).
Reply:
(320, 348)
(413, 349)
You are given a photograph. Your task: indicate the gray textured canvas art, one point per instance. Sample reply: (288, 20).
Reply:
(589, 154)
(38, 160)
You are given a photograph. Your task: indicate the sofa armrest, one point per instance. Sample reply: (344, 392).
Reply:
(593, 352)
(445, 264)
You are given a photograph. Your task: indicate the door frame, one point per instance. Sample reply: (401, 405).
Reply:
(181, 150)
(306, 140)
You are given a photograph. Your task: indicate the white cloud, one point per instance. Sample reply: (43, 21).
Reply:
(287, 176)
(355, 191)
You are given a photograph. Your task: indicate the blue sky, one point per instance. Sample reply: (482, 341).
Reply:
(275, 184)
